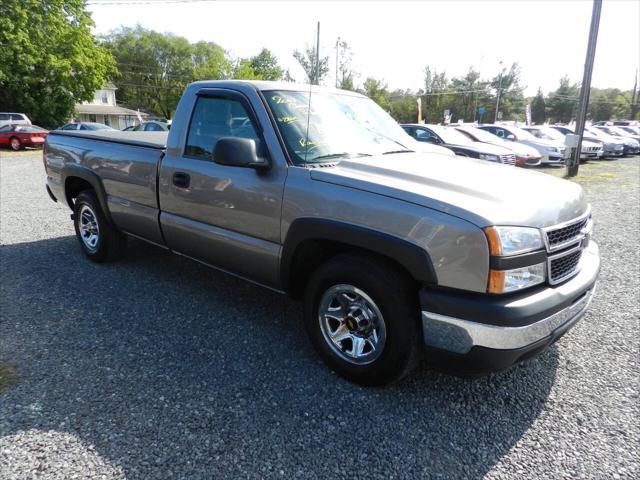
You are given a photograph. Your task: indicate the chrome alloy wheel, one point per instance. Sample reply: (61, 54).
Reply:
(88, 226)
(352, 324)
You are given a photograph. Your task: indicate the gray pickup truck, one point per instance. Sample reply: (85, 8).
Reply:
(317, 193)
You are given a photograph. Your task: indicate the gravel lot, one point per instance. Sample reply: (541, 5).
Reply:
(156, 367)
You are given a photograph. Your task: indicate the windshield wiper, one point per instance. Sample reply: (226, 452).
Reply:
(373, 130)
(398, 151)
(339, 155)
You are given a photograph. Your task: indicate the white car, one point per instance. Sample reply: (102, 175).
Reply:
(526, 156)
(589, 149)
(552, 151)
(13, 119)
(613, 146)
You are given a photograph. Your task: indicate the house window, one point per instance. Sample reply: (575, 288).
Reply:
(106, 120)
(92, 118)
(105, 97)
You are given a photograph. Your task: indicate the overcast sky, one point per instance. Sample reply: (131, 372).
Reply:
(394, 40)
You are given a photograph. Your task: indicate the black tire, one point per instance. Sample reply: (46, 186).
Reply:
(110, 244)
(14, 144)
(395, 296)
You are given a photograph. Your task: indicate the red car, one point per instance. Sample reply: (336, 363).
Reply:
(18, 136)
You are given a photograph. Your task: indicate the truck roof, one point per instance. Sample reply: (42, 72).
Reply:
(264, 85)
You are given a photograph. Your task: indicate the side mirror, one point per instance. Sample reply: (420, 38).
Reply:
(238, 152)
(511, 137)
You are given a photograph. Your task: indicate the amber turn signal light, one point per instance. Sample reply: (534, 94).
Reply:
(495, 247)
(496, 281)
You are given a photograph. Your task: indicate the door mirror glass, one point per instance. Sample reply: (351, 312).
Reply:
(238, 152)
(511, 137)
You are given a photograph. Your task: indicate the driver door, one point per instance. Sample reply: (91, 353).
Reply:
(225, 216)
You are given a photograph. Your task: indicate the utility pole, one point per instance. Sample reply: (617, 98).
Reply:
(498, 96)
(318, 56)
(634, 97)
(337, 58)
(573, 163)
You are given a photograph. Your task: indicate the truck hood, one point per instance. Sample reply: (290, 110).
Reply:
(480, 192)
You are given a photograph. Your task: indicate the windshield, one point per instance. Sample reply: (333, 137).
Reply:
(450, 135)
(618, 131)
(30, 129)
(550, 134)
(597, 133)
(97, 126)
(330, 126)
(481, 135)
(631, 130)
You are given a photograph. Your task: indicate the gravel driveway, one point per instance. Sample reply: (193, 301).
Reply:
(156, 367)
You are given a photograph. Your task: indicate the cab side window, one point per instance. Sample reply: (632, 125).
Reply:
(424, 135)
(214, 118)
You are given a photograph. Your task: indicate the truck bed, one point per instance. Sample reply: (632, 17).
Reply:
(156, 140)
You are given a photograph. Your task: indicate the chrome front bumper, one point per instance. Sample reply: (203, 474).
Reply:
(461, 335)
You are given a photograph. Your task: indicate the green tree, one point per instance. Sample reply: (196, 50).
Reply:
(244, 70)
(346, 74)
(265, 65)
(434, 102)
(314, 69)
(155, 67)
(512, 101)
(49, 60)
(403, 106)
(562, 104)
(538, 108)
(377, 91)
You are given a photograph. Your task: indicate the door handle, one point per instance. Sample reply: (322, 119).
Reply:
(181, 179)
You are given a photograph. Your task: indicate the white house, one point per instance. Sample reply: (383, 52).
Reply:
(103, 109)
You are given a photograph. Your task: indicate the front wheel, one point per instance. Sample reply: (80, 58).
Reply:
(362, 317)
(15, 144)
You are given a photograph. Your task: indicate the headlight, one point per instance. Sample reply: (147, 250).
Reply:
(553, 149)
(513, 240)
(491, 158)
(503, 281)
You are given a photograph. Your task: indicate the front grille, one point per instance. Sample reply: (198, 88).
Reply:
(509, 159)
(564, 266)
(557, 237)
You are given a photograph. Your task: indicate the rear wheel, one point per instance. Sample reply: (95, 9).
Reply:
(99, 240)
(15, 144)
(362, 317)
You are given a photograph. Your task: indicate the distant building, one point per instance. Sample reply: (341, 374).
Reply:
(103, 109)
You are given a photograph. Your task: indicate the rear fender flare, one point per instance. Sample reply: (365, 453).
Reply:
(73, 170)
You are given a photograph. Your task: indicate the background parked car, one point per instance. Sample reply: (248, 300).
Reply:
(525, 155)
(589, 148)
(619, 132)
(13, 119)
(459, 143)
(19, 136)
(152, 126)
(552, 151)
(613, 147)
(631, 145)
(85, 126)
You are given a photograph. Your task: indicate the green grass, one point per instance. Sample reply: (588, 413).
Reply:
(593, 172)
(8, 376)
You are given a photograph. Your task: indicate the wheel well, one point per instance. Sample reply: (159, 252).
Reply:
(73, 186)
(312, 253)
